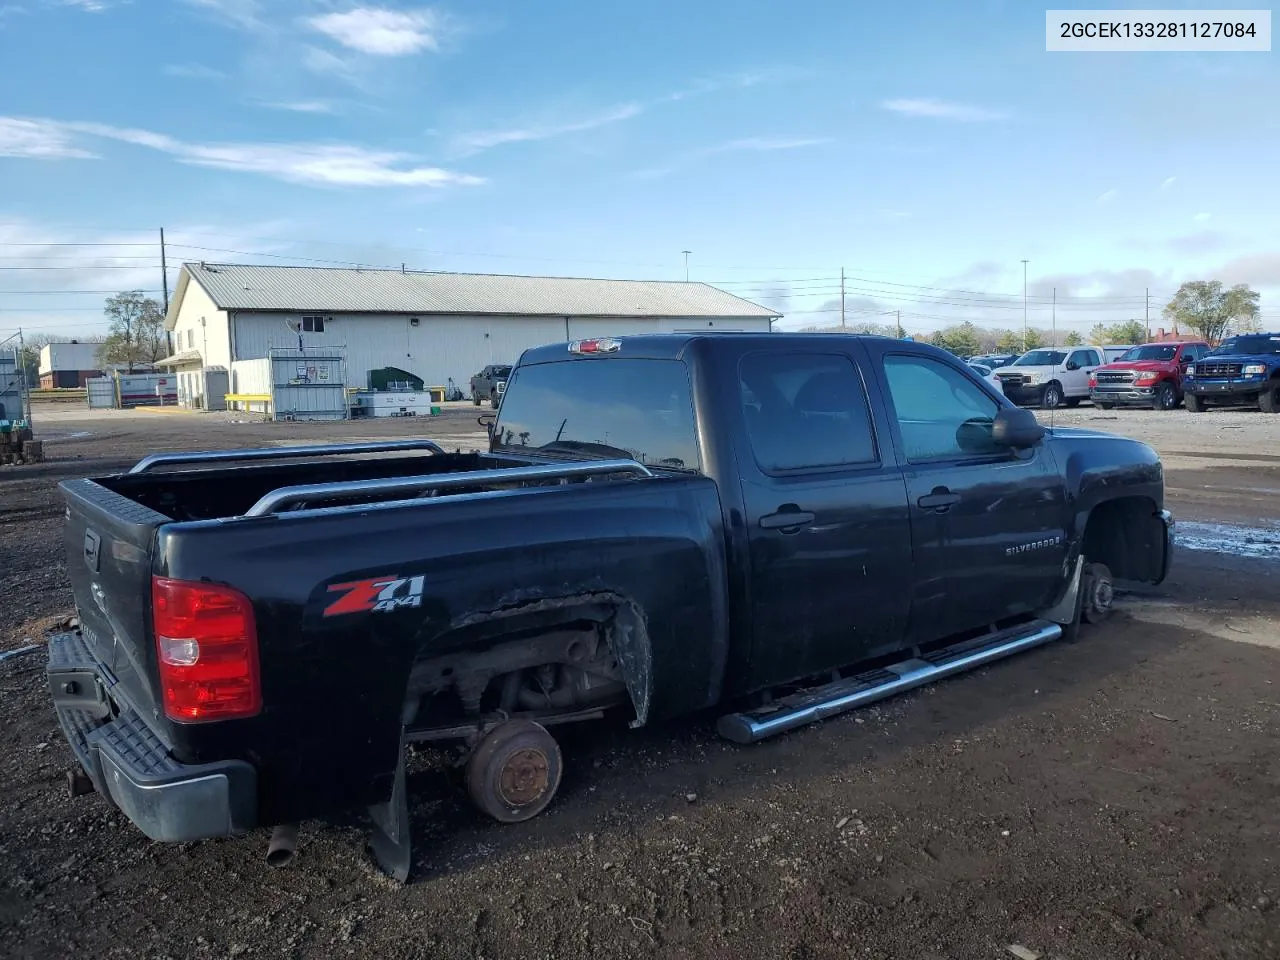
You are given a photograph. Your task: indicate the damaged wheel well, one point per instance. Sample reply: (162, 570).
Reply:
(563, 655)
(1127, 535)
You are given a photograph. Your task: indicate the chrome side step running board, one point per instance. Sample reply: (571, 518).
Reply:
(809, 706)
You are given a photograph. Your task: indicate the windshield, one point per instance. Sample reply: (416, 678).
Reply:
(602, 409)
(502, 371)
(1040, 358)
(1246, 346)
(1151, 352)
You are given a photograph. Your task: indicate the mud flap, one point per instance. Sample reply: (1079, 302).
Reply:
(389, 838)
(1067, 609)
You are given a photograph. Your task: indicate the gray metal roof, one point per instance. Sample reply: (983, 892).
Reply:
(339, 289)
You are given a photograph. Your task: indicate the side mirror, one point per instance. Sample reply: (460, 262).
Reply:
(487, 420)
(1072, 365)
(1016, 428)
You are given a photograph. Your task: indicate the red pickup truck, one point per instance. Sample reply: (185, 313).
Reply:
(1149, 376)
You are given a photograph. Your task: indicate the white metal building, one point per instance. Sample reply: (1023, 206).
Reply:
(438, 326)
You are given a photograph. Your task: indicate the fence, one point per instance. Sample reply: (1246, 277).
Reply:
(292, 384)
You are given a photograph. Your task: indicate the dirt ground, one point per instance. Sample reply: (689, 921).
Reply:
(1110, 799)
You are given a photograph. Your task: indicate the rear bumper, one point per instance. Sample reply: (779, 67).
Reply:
(132, 768)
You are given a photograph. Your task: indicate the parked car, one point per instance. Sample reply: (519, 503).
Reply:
(1115, 351)
(1244, 369)
(776, 525)
(996, 360)
(1050, 377)
(489, 383)
(1148, 376)
(985, 373)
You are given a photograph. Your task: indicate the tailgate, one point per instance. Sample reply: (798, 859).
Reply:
(109, 542)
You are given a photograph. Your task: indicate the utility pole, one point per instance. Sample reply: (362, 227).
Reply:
(1148, 314)
(1054, 320)
(899, 313)
(686, 264)
(164, 273)
(842, 299)
(1024, 306)
(25, 401)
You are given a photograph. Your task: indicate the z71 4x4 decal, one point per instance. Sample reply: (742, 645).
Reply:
(377, 595)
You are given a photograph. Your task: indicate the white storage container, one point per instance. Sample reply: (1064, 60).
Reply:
(391, 404)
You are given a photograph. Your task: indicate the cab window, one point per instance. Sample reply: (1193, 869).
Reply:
(942, 414)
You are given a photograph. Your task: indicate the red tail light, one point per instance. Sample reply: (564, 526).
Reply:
(207, 644)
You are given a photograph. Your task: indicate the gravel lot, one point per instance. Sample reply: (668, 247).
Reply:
(1111, 799)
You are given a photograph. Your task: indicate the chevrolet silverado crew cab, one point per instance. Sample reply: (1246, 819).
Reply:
(1244, 369)
(1051, 377)
(1146, 376)
(775, 527)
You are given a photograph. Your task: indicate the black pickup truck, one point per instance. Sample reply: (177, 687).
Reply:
(778, 527)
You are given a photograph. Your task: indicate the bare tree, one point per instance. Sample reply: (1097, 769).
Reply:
(137, 331)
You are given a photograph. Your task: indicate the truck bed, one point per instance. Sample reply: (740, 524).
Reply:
(229, 491)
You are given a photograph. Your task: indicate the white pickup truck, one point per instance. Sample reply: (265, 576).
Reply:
(1051, 376)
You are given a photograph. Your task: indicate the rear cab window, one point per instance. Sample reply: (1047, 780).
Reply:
(601, 408)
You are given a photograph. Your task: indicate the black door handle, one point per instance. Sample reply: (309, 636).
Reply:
(787, 520)
(941, 500)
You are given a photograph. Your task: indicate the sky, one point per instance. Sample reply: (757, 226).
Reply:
(926, 149)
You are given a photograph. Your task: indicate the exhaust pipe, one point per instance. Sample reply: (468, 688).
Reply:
(283, 845)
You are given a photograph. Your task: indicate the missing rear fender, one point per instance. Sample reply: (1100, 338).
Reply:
(546, 657)
(1129, 536)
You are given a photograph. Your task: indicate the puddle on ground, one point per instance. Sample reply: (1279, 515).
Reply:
(1253, 542)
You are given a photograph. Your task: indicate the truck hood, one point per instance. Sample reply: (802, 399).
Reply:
(1270, 359)
(1045, 368)
(1142, 366)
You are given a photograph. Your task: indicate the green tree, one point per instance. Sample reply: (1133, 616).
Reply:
(137, 331)
(938, 339)
(1131, 331)
(1072, 339)
(1036, 339)
(961, 340)
(1100, 334)
(1211, 310)
(1009, 342)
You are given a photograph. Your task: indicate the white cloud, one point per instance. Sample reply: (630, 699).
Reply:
(303, 106)
(1201, 217)
(89, 6)
(236, 13)
(759, 144)
(193, 71)
(305, 163)
(380, 32)
(311, 164)
(324, 62)
(1108, 196)
(942, 110)
(1168, 182)
(37, 139)
(744, 145)
(491, 138)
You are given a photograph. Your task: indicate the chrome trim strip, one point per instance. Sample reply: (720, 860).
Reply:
(273, 501)
(282, 453)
